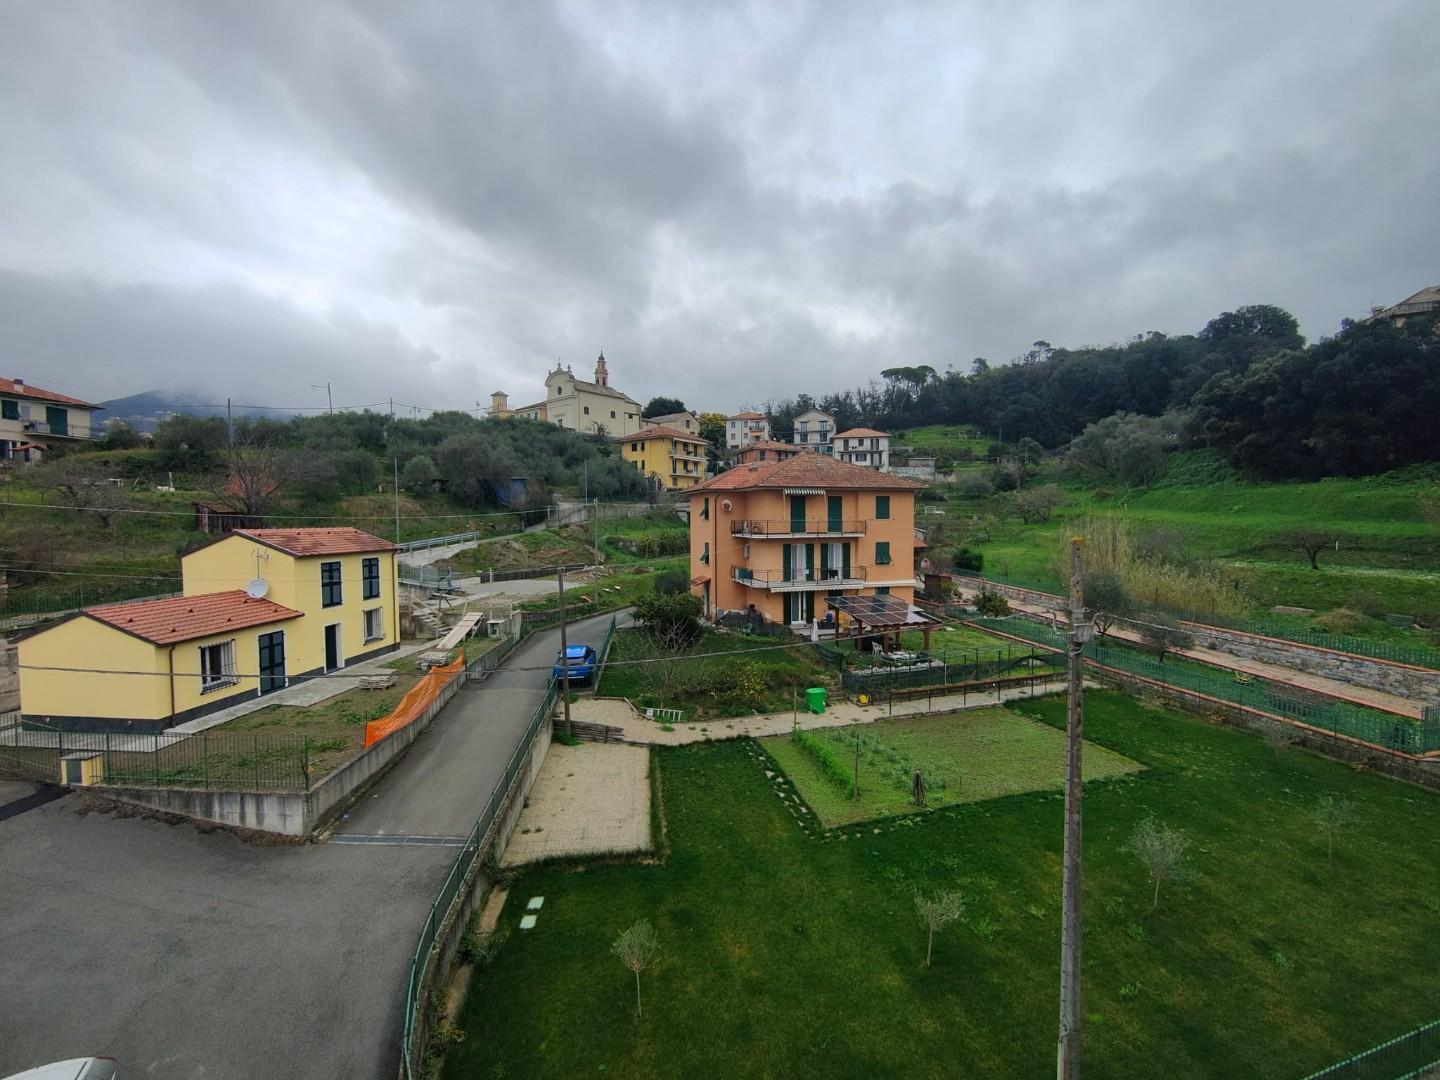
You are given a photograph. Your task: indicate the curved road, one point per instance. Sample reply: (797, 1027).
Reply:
(192, 954)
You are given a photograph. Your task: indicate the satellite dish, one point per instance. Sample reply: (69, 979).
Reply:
(257, 588)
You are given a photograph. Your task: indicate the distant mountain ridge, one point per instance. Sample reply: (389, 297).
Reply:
(145, 410)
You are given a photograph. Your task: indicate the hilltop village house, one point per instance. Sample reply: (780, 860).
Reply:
(864, 446)
(595, 408)
(687, 422)
(670, 457)
(33, 420)
(814, 430)
(745, 428)
(260, 607)
(787, 538)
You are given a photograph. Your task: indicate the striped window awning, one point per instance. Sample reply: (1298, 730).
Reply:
(804, 491)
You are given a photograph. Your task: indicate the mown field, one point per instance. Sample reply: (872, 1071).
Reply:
(786, 955)
(969, 756)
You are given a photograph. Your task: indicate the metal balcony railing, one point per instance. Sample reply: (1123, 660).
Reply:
(788, 527)
(799, 578)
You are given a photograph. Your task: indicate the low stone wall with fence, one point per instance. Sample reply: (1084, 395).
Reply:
(1392, 676)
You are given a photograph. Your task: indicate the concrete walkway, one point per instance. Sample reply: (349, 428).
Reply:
(617, 712)
(1319, 684)
(304, 691)
(591, 799)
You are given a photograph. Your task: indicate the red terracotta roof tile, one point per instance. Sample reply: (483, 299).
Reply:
(746, 416)
(184, 618)
(806, 470)
(660, 433)
(7, 386)
(863, 433)
(339, 540)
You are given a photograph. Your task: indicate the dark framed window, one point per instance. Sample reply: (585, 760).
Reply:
(882, 590)
(587, 410)
(10, 410)
(705, 507)
(705, 553)
(882, 506)
(882, 553)
(369, 579)
(330, 594)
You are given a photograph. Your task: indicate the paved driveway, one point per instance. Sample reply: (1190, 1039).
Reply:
(193, 955)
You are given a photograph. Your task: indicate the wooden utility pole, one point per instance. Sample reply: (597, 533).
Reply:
(1067, 1066)
(564, 659)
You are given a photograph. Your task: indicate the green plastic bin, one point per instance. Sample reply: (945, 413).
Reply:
(815, 699)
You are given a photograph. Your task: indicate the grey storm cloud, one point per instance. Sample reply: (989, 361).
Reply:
(430, 201)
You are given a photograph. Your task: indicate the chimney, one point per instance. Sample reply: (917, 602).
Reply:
(19, 383)
(602, 376)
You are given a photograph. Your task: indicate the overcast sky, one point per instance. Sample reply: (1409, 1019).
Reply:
(736, 202)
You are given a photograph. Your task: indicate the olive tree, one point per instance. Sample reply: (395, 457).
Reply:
(1161, 850)
(636, 947)
(937, 912)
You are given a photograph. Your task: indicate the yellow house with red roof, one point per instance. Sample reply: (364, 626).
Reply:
(675, 459)
(785, 538)
(259, 608)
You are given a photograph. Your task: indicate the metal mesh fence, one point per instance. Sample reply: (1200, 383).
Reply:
(233, 761)
(1253, 692)
(1414, 1054)
(1416, 655)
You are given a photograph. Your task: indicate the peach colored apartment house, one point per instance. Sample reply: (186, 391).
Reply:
(785, 536)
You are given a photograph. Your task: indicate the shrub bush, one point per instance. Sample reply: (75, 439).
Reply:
(671, 582)
(968, 559)
(991, 603)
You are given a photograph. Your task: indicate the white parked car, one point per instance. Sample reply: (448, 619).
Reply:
(90, 1068)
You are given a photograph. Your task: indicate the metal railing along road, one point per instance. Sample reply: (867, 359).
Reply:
(457, 881)
(794, 527)
(437, 541)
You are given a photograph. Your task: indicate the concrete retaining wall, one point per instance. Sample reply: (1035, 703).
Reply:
(300, 813)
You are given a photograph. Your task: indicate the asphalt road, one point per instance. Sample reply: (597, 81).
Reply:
(185, 954)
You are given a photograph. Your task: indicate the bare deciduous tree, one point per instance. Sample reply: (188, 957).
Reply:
(636, 947)
(1311, 541)
(77, 483)
(1332, 815)
(937, 912)
(1280, 737)
(1162, 635)
(1161, 850)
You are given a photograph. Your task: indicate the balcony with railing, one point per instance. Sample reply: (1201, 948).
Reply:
(56, 430)
(793, 527)
(801, 579)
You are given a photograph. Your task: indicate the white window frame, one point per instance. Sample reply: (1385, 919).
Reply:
(227, 675)
(378, 615)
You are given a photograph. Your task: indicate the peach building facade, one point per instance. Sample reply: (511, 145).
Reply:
(783, 537)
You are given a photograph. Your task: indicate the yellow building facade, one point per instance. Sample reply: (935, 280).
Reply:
(674, 458)
(260, 608)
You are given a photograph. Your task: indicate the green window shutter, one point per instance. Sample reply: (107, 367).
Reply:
(882, 507)
(882, 553)
(809, 605)
(845, 561)
(797, 513)
(10, 410)
(824, 558)
(835, 511)
(809, 562)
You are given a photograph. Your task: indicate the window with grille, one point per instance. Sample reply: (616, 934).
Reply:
(370, 578)
(330, 594)
(217, 666)
(374, 623)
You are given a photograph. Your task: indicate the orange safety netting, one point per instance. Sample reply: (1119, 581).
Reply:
(414, 703)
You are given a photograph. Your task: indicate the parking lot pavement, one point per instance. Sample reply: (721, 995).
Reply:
(192, 955)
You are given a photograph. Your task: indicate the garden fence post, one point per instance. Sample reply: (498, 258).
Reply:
(155, 757)
(255, 744)
(305, 763)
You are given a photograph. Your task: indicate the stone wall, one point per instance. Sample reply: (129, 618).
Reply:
(1419, 684)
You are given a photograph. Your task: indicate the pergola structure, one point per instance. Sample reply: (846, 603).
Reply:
(882, 616)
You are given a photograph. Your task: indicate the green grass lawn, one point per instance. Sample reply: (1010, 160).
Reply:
(1386, 561)
(964, 757)
(710, 687)
(617, 588)
(786, 956)
(642, 538)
